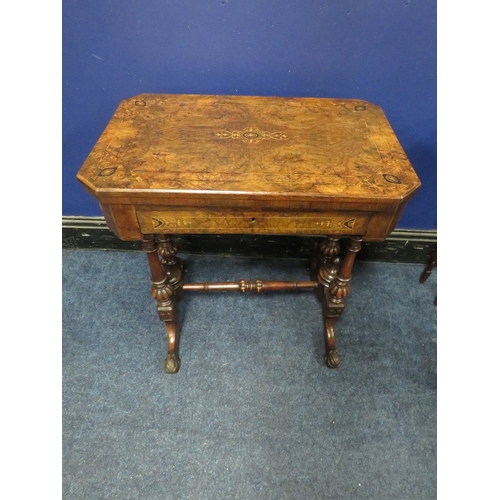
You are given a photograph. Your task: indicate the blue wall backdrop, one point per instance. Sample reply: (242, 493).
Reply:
(382, 51)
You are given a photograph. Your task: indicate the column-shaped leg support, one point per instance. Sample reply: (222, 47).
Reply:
(172, 266)
(163, 288)
(333, 288)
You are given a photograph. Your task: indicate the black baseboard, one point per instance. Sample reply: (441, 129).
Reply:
(410, 246)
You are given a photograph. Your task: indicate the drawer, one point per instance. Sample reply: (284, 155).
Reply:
(235, 222)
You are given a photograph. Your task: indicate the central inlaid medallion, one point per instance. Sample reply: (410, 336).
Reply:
(250, 134)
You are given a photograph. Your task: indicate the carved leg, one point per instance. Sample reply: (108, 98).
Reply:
(339, 288)
(327, 269)
(172, 266)
(333, 288)
(163, 291)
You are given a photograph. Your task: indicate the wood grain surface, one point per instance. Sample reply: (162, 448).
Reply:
(249, 165)
(253, 145)
(234, 222)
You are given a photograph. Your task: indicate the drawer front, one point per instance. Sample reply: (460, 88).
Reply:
(231, 222)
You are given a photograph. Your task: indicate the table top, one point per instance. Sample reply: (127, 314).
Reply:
(267, 147)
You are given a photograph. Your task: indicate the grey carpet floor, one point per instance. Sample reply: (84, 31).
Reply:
(253, 412)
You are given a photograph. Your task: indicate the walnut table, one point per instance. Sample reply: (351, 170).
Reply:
(188, 164)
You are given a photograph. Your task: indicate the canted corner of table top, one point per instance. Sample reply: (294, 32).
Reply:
(223, 155)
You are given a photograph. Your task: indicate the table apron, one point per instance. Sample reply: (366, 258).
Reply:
(251, 222)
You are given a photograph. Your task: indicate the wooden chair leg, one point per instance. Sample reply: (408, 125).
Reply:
(428, 269)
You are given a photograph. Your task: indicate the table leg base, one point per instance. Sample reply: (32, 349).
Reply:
(172, 361)
(333, 287)
(332, 356)
(332, 359)
(172, 364)
(329, 279)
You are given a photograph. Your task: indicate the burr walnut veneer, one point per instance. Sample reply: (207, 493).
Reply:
(190, 164)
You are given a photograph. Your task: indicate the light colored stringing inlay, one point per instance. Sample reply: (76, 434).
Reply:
(249, 222)
(250, 134)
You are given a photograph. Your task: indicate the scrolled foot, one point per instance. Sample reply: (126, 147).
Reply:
(332, 359)
(172, 364)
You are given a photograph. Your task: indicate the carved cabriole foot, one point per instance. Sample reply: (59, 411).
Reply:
(332, 357)
(172, 361)
(167, 311)
(163, 291)
(333, 287)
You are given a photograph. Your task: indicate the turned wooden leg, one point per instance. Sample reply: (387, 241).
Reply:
(339, 288)
(172, 266)
(333, 288)
(163, 288)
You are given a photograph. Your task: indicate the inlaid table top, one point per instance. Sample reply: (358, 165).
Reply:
(288, 158)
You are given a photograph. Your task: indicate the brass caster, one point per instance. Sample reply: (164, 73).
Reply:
(332, 359)
(172, 364)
